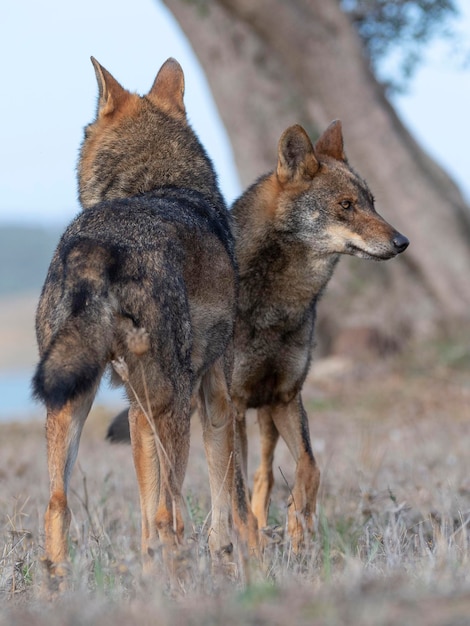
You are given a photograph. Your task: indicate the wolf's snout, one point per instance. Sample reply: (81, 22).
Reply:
(400, 242)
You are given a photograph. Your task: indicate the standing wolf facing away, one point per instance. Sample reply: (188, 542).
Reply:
(144, 277)
(290, 228)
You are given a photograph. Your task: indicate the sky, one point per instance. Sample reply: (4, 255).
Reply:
(49, 93)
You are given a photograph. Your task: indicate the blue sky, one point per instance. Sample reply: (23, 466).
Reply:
(49, 94)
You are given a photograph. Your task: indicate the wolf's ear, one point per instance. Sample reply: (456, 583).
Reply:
(110, 91)
(296, 158)
(168, 88)
(331, 142)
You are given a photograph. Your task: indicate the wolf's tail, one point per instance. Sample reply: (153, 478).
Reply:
(74, 359)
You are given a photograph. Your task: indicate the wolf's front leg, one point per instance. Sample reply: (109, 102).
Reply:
(264, 478)
(292, 423)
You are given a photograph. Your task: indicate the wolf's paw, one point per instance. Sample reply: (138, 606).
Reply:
(56, 577)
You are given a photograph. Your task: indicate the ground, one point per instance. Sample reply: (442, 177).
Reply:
(391, 437)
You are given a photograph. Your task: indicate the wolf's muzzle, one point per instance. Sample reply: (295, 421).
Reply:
(400, 242)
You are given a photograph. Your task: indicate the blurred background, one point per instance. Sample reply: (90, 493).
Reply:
(395, 72)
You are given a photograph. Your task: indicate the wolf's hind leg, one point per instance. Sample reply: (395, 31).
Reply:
(160, 447)
(144, 451)
(217, 428)
(264, 479)
(292, 423)
(173, 429)
(63, 430)
(229, 493)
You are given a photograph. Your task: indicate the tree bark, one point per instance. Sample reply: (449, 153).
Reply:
(272, 63)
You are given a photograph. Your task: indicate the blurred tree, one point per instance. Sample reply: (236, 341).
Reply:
(400, 28)
(272, 63)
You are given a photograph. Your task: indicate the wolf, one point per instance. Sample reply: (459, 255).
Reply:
(144, 278)
(291, 227)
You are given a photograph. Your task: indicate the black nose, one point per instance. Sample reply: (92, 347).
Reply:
(400, 242)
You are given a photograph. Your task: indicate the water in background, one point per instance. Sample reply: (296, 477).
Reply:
(17, 404)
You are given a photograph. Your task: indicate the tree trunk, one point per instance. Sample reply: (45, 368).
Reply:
(272, 63)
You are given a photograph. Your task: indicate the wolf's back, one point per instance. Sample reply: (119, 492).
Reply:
(74, 323)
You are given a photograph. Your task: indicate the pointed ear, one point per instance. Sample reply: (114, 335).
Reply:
(331, 142)
(110, 91)
(296, 158)
(168, 88)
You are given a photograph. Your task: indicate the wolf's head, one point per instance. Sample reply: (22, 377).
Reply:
(322, 201)
(139, 143)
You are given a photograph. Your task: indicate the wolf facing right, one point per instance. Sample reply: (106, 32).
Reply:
(290, 229)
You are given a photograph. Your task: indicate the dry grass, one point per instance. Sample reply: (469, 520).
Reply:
(392, 546)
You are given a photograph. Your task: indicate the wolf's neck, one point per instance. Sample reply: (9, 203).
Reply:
(277, 269)
(283, 277)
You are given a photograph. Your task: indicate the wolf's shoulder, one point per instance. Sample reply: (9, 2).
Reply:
(167, 211)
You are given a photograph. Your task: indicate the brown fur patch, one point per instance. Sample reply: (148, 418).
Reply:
(268, 200)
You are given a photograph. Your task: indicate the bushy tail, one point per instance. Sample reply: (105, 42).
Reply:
(118, 430)
(73, 362)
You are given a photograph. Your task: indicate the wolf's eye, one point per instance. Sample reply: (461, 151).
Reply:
(346, 204)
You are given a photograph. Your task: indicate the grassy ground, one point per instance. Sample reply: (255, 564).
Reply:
(392, 545)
